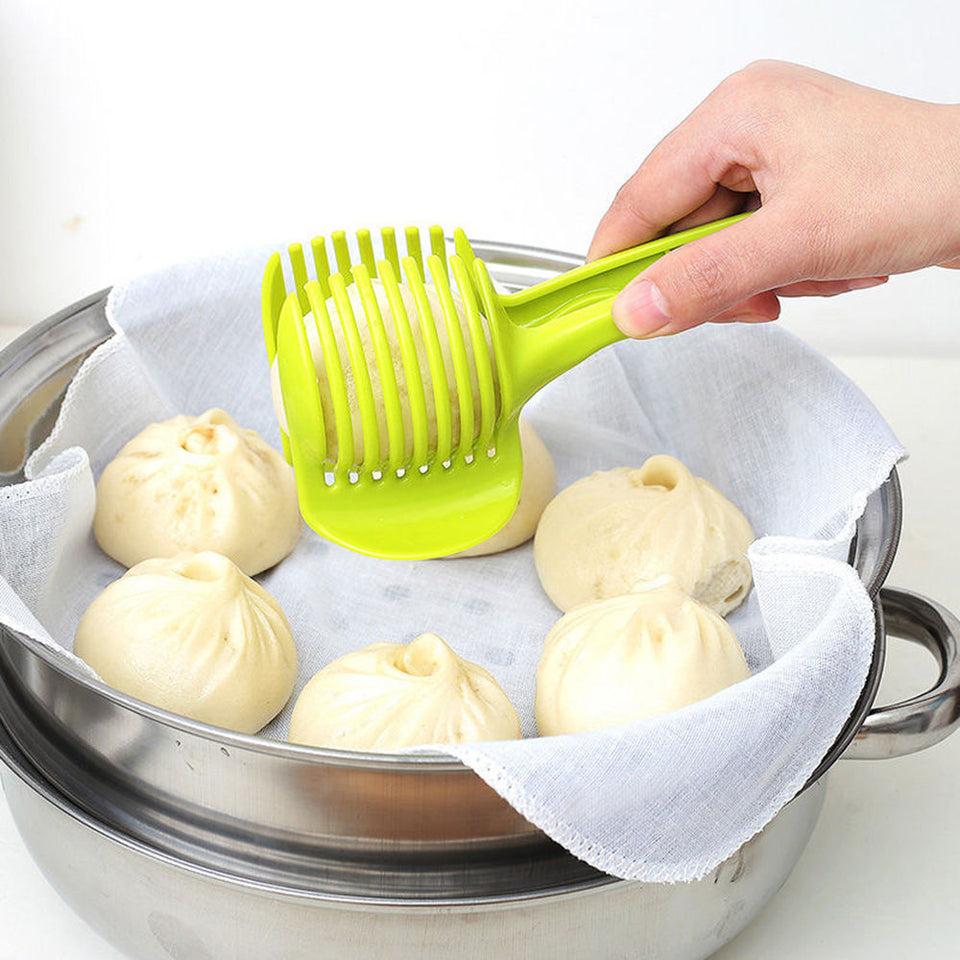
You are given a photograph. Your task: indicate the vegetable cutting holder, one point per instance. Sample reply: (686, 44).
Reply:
(427, 497)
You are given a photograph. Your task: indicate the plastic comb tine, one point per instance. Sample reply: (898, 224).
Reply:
(320, 261)
(342, 253)
(488, 301)
(389, 237)
(481, 352)
(462, 246)
(413, 249)
(438, 247)
(484, 287)
(272, 295)
(299, 273)
(438, 373)
(416, 398)
(336, 382)
(370, 430)
(458, 351)
(298, 386)
(388, 379)
(366, 252)
(465, 253)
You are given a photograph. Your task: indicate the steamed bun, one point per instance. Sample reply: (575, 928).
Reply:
(606, 533)
(389, 696)
(396, 356)
(194, 635)
(537, 487)
(616, 661)
(198, 483)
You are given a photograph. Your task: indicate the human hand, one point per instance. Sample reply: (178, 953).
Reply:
(852, 185)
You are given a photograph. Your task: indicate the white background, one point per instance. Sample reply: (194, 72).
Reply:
(132, 134)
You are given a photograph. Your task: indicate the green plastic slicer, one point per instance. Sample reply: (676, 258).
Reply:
(427, 497)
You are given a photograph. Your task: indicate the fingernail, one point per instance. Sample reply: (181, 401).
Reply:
(865, 282)
(640, 310)
(745, 318)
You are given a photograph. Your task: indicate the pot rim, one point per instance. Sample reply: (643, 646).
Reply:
(25, 770)
(96, 330)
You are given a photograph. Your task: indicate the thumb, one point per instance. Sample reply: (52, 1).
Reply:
(724, 275)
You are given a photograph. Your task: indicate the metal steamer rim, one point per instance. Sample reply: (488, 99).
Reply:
(54, 350)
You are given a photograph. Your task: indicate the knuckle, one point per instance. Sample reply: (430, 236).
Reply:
(817, 244)
(750, 102)
(704, 281)
(625, 204)
(765, 67)
(766, 72)
(748, 78)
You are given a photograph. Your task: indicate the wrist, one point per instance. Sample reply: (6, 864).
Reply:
(944, 181)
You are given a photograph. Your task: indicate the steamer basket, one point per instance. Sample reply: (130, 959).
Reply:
(197, 805)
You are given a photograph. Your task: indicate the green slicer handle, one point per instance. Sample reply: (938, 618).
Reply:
(560, 322)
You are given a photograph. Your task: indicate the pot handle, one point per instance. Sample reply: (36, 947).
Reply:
(921, 721)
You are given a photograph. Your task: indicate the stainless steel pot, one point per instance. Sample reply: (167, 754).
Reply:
(178, 839)
(154, 906)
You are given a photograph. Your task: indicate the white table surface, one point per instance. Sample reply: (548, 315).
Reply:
(878, 878)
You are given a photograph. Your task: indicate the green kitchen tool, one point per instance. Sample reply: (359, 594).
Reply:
(428, 496)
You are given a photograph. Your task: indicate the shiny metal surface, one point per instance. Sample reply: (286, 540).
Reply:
(878, 535)
(343, 828)
(921, 721)
(33, 371)
(153, 907)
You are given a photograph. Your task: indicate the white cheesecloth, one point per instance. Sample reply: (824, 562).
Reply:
(771, 423)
